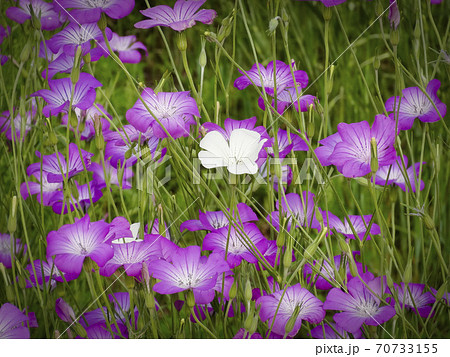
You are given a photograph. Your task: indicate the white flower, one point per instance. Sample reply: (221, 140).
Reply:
(239, 154)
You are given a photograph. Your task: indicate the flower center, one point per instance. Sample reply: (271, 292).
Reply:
(97, 3)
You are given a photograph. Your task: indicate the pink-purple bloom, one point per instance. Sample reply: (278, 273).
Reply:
(109, 174)
(360, 225)
(72, 243)
(287, 301)
(184, 15)
(289, 98)
(74, 35)
(411, 296)
(352, 154)
(22, 124)
(47, 274)
(210, 221)
(81, 197)
(62, 63)
(13, 323)
(174, 110)
(85, 12)
(337, 332)
(264, 77)
(188, 271)
(8, 245)
(86, 120)
(395, 175)
(239, 246)
(131, 255)
(42, 10)
(415, 104)
(287, 143)
(55, 172)
(59, 95)
(359, 305)
(127, 47)
(298, 211)
(325, 278)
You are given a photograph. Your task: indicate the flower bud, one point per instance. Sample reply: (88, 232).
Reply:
(22, 282)
(284, 15)
(345, 247)
(75, 75)
(35, 21)
(394, 37)
(87, 58)
(407, 274)
(373, 155)
(12, 219)
(273, 24)
(379, 9)
(291, 322)
(202, 59)
(10, 296)
(287, 258)
(225, 29)
(254, 325)
(248, 291)
(150, 301)
(376, 62)
(129, 282)
(428, 221)
(26, 51)
(248, 322)
(233, 290)
(280, 239)
(441, 292)
(73, 191)
(80, 330)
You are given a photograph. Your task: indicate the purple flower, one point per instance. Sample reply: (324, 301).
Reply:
(265, 171)
(61, 64)
(82, 201)
(5, 249)
(286, 144)
(242, 333)
(359, 223)
(184, 15)
(187, 271)
(85, 12)
(326, 332)
(210, 221)
(283, 75)
(324, 152)
(50, 164)
(394, 14)
(47, 272)
(395, 175)
(64, 311)
(359, 305)
(74, 35)
(326, 276)
(131, 255)
(101, 331)
(121, 303)
(415, 104)
(44, 195)
(298, 211)
(86, 120)
(412, 297)
(288, 98)
(22, 125)
(100, 176)
(239, 246)
(352, 155)
(49, 18)
(174, 110)
(294, 298)
(4, 33)
(127, 48)
(12, 322)
(59, 95)
(72, 243)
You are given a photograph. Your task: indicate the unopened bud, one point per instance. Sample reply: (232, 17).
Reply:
(22, 282)
(273, 24)
(376, 62)
(428, 221)
(291, 322)
(12, 219)
(280, 239)
(129, 282)
(311, 249)
(287, 258)
(233, 290)
(10, 296)
(441, 292)
(345, 248)
(248, 291)
(395, 37)
(284, 15)
(26, 51)
(202, 59)
(79, 329)
(87, 58)
(150, 301)
(379, 8)
(52, 139)
(407, 274)
(373, 155)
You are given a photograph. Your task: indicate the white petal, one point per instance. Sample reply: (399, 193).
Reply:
(217, 151)
(244, 166)
(245, 144)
